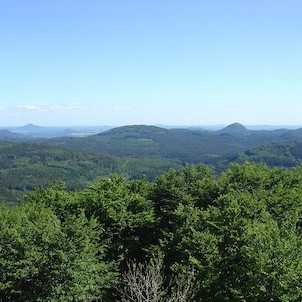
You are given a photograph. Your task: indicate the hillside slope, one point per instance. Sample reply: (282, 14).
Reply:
(285, 154)
(25, 166)
(187, 146)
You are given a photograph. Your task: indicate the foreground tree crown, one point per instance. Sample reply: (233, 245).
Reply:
(237, 236)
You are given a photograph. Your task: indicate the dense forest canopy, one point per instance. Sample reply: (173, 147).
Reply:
(100, 218)
(237, 237)
(189, 146)
(135, 151)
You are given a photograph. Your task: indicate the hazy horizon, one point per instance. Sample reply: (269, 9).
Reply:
(159, 62)
(167, 126)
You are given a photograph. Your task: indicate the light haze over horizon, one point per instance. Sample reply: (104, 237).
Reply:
(150, 62)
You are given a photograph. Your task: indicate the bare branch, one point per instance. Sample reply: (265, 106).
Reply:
(145, 283)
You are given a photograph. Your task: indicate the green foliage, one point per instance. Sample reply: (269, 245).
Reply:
(123, 209)
(244, 242)
(45, 259)
(180, 198)
(137, 152)
(239, 235)
(182, 145)
(25, 167)
(119, 206)
(284, 154)
(256, 219)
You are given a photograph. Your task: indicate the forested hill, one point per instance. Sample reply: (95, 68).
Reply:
(285, 154)
(136, 152)
(188, 146)
(235, 128)
(26, 166)
(6, 135)
(23, 167)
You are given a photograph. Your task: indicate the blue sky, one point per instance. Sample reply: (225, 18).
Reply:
(117, 62)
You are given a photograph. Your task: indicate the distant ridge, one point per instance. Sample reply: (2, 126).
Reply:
(30, 128)
(235, 128)
(6, 135)
(136, 130)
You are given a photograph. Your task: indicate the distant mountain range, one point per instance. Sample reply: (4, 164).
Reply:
(188, 146)
(30, 160)
(140, 140)
(31, 131)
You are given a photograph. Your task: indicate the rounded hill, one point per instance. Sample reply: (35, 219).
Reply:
(235, 127)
